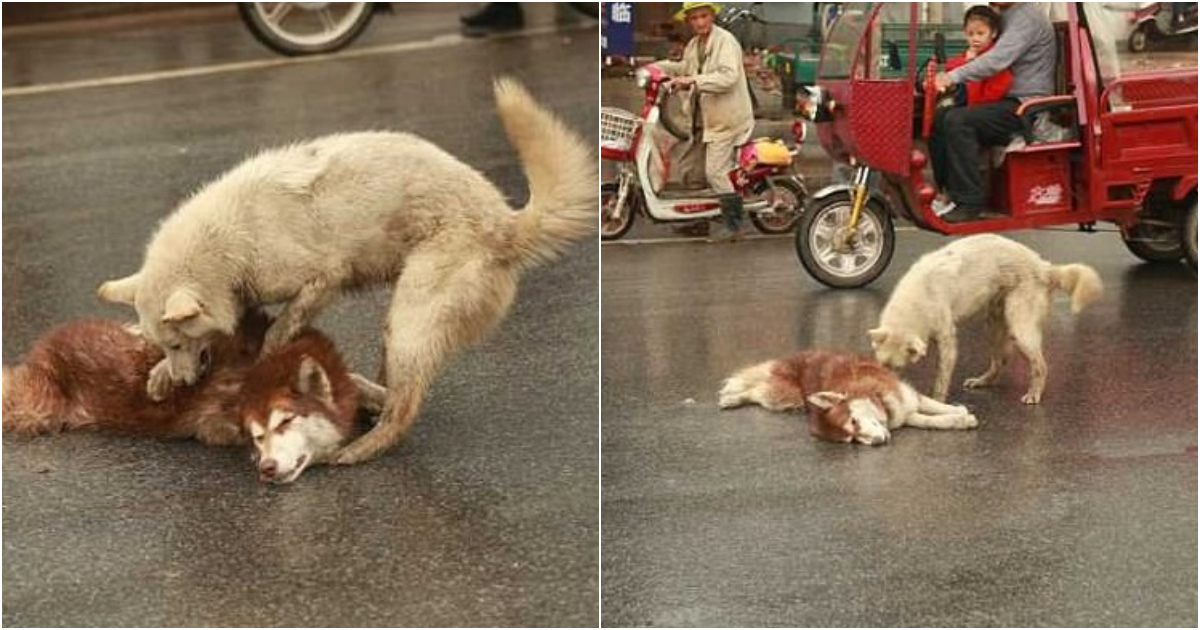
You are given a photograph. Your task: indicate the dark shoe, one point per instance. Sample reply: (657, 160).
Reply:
(699, 228)
(961, 214)
(727, 235)
(494, 17)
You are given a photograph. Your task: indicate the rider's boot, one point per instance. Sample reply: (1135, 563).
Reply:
(734, 213)
(493, 17)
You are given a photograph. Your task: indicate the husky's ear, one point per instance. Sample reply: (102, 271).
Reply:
(916, 348)
(313, 380)
(181, 306)
(123, 291)
(825, 400)
(878, 336)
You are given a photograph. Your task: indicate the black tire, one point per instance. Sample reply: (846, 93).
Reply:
(783, 221)
(1139, 39)
(1154, 243)
(609, 230)
(865, 261)
(304, 35)
(1189, 236)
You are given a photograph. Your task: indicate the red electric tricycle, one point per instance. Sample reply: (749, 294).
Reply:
(1111, 145)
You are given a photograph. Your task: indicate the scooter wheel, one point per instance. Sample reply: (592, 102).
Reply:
(612, 229)
(821, 246)
(789, 200)
(1189, 236)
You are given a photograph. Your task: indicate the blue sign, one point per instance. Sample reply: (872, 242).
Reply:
(616, 29)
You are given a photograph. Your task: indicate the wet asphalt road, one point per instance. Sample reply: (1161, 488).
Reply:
(485, 515)
(1078, 512)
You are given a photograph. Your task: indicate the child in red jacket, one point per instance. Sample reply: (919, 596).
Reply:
(981, 25)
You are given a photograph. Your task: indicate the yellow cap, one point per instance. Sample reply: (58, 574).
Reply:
(681, 15)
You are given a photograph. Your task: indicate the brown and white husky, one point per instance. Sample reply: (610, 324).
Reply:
(847, 398)
(90, 374)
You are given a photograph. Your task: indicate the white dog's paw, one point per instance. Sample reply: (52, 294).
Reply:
(730, 400)
(1031, 398)
(969, 421)
(159, 385)
(732, 394)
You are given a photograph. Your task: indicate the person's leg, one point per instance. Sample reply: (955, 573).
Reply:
(493, 17)
(937, 147)
(719, 161)
(967, 129)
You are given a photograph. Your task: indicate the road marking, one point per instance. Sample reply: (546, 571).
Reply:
(702, 239)
(441, 41)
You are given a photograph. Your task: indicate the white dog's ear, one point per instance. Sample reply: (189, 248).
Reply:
(181, 306)
(825, 400)
(916, 349)
(123, 291)
(878, 336)
(312, 379)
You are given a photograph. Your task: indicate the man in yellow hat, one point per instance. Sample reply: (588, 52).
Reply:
(721, 111)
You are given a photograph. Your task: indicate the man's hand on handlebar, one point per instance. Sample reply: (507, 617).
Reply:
(942, 82)
(682, 83)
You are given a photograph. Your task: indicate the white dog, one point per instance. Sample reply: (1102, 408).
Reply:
(301, 224)
(963, 278)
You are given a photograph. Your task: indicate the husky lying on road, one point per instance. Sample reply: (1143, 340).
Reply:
(299, 225)
(967, 276)
(297, 402)
(848, 398)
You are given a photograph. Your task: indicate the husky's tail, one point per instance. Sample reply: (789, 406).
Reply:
(562, 175)
(1080, 281)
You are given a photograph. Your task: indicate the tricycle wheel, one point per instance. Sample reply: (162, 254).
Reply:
(838, 259)
(1189, 236)
(612, 228)
(788, 197)
(1154, 243)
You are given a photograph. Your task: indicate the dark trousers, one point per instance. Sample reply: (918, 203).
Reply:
(958, 134)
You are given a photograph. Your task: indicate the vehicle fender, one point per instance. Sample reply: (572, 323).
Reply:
(822, 196)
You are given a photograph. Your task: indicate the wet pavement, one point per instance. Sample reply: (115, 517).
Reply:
(1080, 511)
(485, 515)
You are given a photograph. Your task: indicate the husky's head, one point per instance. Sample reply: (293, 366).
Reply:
(896, 349)
(292, 426)
(179, 320)
(836, 417)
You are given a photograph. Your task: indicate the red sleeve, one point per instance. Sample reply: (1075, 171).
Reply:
(955, 62)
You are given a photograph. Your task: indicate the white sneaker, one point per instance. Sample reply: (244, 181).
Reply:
(942, 207)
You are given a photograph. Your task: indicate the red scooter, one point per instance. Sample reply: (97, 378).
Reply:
(774, 193)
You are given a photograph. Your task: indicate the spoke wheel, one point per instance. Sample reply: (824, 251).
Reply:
(613, 228)
(306, 28)
(840, 259)
(788, 198)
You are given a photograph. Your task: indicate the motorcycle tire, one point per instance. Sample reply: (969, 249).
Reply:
(266, 22)
(849, 270)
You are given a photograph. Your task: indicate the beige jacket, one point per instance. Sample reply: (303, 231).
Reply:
(724, 95)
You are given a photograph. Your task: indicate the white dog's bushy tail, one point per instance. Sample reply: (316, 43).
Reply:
(1080, 281)
(562, 175)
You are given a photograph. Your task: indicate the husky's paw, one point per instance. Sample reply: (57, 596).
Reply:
(1031, 398)
(159, 385)
(975, 382)
(732, 394)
